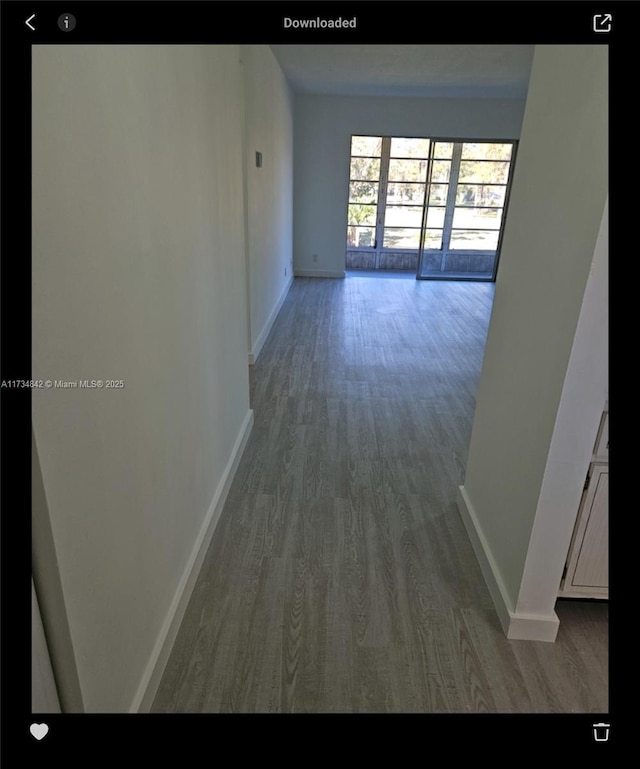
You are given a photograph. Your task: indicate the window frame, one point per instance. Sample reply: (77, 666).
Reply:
(445, 251)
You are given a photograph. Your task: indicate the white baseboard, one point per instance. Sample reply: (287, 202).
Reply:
(157, 662)
(302, 272)
(262, 337)
(489, 569)
(516, 625)
(531, 627)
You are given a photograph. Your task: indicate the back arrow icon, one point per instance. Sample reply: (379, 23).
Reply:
(33, 29)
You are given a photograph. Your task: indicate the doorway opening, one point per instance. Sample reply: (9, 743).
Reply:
(431, 207)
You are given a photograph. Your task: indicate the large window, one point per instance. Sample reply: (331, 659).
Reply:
(480, 196)
(435, 207)
(364, 184)
(406, 191)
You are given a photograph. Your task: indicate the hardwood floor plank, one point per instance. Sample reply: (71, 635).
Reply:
(340, 578)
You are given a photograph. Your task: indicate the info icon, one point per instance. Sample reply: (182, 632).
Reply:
(67, 22)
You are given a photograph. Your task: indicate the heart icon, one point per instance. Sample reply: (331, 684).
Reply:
(39, 730)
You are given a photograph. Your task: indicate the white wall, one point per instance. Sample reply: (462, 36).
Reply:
(50, 596)
(138, 274)
(323, 129)
(556, 208)
(584, 395)
(269, 190)
(44, 695)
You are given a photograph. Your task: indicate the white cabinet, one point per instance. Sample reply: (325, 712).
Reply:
(586, 572)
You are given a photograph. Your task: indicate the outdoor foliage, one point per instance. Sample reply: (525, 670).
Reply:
(480, 188)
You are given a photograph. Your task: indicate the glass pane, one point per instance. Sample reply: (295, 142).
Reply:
(359, 214)
(366, 145)
(433, 239)
(408, 170)
(482, 218)
(484, 171)
(435, 217)
(360, 237)
(403, 193)
(443, 150)
(438, 194)
(480, 195)
(363, 192)
(365, 168)
(409, 148)
(401, 237)
(486, 151)
(403, 216)
(441, 171)
(465, 240)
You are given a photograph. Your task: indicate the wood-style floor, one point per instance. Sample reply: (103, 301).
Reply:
(340, 577)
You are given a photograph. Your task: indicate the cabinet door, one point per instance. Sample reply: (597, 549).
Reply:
(588, 563)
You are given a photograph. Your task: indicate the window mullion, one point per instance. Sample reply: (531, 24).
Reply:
(451, 199)
(425, 208)
(382, 195)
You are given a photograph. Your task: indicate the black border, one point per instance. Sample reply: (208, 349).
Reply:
(250, 21)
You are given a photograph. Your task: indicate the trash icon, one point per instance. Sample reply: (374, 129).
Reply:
(601, 732)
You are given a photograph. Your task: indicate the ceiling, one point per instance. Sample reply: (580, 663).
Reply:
(464, 71)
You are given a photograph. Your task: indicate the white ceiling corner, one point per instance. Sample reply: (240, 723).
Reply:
(464, 71)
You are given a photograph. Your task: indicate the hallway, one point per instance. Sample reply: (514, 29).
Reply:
(340, 577)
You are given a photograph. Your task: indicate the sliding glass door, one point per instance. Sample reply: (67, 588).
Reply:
(433, 207)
